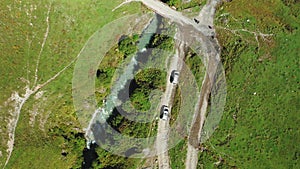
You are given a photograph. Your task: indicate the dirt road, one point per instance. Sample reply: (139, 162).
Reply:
(167, 99)
(205, 17)
(203, 34)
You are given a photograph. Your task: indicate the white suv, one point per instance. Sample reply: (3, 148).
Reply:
(165, 113)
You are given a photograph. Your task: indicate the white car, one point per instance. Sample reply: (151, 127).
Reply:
(174, 77)
(165, 113)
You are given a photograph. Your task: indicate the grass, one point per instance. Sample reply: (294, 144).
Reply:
(178, 154)
(176, 106)
(42, 154)
(71, 23)
(195, 65)
(260, 123)
(259, 128)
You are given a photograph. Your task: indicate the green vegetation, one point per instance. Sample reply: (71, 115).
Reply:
(260, 124)
(130, 128)
(110, 63)
(162, 47)
(150, 78)
(181, 5)
(146, 81)
(176, 106)
(194, 63)
(178, 155)
(107, 160)
(147, 84)
(145, 91)
(162, 41)
(153, 75)
(48, 134)
(128, 44)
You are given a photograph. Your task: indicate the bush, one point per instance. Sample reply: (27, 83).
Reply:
(162, 42)
(128, 45)
(146, 81)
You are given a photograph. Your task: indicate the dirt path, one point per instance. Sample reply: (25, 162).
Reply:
(19, 101)
(42, 47)
(205, 17)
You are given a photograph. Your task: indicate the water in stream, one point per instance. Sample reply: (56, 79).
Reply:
(115, 98)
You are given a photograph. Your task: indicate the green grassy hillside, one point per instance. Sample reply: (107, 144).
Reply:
(260, 125)
(52, 33)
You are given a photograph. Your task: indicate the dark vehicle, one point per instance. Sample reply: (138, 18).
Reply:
(196, 20)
